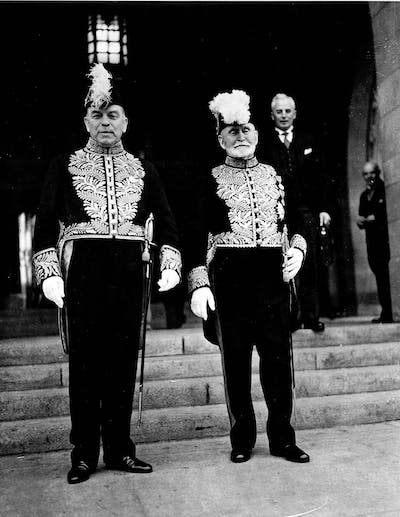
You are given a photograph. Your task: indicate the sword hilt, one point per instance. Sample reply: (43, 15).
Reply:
(148, 237)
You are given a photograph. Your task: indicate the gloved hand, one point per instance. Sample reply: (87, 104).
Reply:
(169, 279)
(53, 289)
(324, 219)
(201, 299)
(292, 263)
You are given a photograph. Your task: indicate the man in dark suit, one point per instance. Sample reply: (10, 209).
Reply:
(373, 219)
(295, 155)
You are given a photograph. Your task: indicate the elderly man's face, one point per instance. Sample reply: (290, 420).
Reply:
(369, 175)
(107, 125)
(239, 141)
(283, 114)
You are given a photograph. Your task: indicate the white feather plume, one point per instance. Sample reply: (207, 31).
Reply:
(99, 93)
(233, 107)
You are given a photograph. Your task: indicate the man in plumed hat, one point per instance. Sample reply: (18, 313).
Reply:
(88, 244)
(246, 245)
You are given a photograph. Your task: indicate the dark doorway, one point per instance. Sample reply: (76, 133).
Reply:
(179, 56)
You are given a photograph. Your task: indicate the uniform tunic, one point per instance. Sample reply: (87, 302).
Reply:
(242, 224)
(90, 231)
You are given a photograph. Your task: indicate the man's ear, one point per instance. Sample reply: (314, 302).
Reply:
(85, 120)
(221, 141)
(272, 115)
(295, 114)
(256, 132)
(125, 125)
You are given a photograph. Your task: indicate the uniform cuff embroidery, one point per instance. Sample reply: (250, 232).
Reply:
(198, 277)
(299, 242)
(170, 258)
(45, 265)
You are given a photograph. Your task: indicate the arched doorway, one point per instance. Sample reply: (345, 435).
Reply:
(179, 56)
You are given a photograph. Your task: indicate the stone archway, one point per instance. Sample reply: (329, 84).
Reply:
(385, 19)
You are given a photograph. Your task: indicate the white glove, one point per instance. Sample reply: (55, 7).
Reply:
(53, 289)
(324, 219)
(292, 263)
(201, 299)
(169, 279)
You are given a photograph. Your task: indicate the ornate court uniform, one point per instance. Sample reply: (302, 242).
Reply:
(90, 231)
(244, 222)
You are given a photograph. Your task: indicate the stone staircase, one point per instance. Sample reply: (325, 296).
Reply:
(350, 374)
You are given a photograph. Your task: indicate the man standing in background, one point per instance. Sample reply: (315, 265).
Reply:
(373, 219)
(297, 158)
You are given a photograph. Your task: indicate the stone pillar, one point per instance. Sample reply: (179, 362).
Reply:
(386, 32)
(365, 284)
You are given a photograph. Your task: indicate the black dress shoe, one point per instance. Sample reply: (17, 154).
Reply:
(382, 320)
(131, 464)
(240, 456)
(291, 453)
(316, 326)
(79, 473)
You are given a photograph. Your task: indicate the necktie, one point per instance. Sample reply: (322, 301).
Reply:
(286, 140)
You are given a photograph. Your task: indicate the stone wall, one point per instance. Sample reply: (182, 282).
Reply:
(385, 18)
(365, 283)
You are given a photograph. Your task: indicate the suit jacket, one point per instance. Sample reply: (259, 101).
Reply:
(376, 232)
(302, 166)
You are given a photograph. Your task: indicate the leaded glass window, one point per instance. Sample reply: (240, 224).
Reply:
(107, 40)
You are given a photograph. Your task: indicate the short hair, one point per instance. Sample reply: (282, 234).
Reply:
(374, 165)
(281, 97)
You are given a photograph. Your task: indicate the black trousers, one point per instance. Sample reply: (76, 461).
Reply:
(380, 268)
(253, 309)
(103, 303)
(308, 278)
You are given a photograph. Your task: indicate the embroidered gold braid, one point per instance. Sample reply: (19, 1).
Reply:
(256, 202)
(170, 258)
(198, 277)
(297, 241)
(124, 191)
(45, 265)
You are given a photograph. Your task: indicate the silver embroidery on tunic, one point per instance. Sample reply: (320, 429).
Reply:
(45, 265)
(170, 258)
(198, 277)
(255, 199)
(115, 189)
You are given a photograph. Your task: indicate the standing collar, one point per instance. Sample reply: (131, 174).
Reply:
(241, 163)
(95, 147)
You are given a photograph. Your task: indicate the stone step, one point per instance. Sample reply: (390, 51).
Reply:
(347, 335)
(28, 322)
(20, 322)
(42, 435)
(51, 402)
(29, 377)
(47, 349)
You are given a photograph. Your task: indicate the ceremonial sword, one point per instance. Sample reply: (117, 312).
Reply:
(147, 260)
